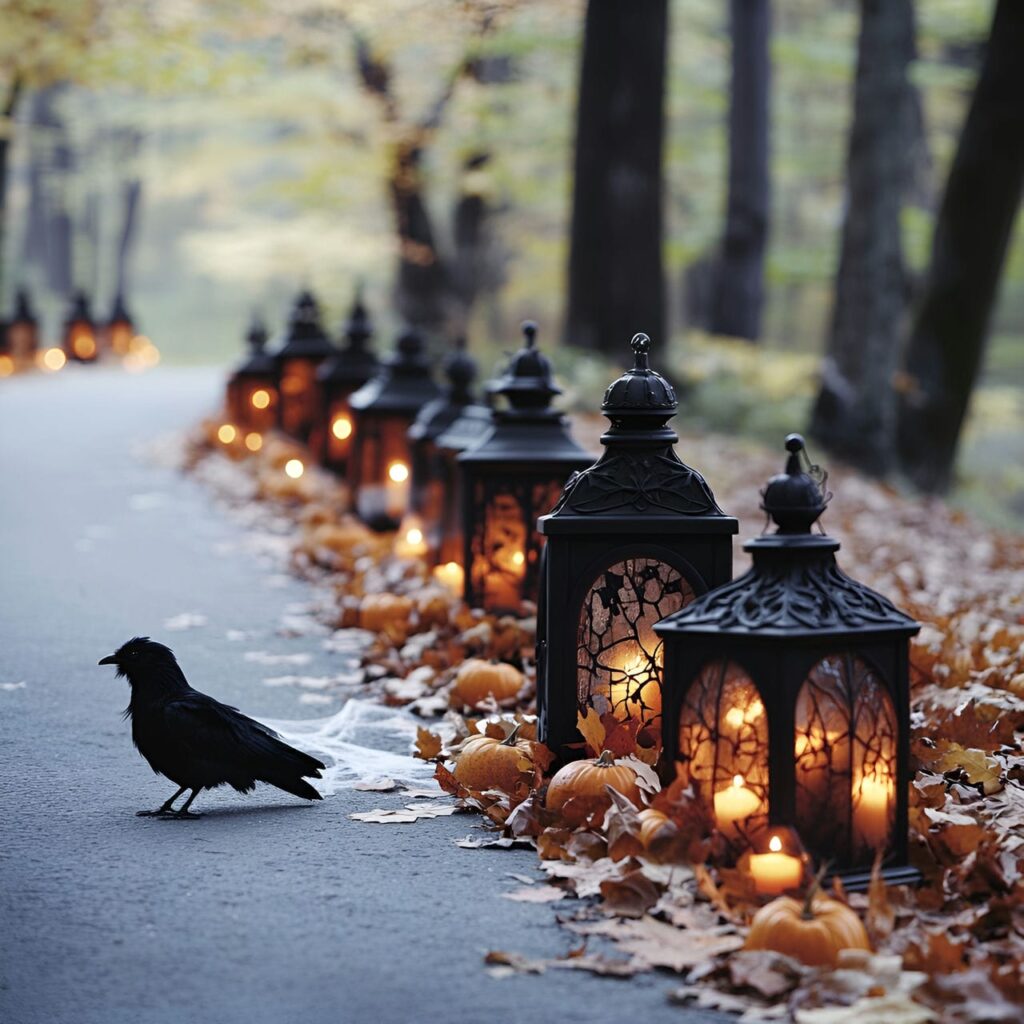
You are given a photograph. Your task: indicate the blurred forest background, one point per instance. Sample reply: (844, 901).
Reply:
(472, 163)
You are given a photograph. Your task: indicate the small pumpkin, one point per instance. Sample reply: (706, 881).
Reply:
(651, 821)
(578, 789)
(812, 931)
(489, 763)
(378, 612)
(477, 680)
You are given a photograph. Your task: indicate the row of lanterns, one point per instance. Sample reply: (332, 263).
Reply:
(83, 340)
(785, 691)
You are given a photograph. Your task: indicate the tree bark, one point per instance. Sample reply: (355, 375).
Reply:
(616, 285)
(855, 413)
(738, 284)
(7, 114)
(972, 234)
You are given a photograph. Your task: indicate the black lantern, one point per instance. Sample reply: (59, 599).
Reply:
(380, 463)
(635, 537)
(79, 341)
(22, 332)
(252, 388)
(345, 372)
(435, 511)
(513, 475)
(787, 695)
(120, 328)
(305, 347)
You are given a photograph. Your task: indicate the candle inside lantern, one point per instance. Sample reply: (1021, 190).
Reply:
(452, 575)
(396, 489)
(735, 804)
(871, 796)
(52, 360)
(254, 441)
(260, 398)
(83, 343)
(634, 690)
(294, 468)
(341, 427)
(410, 542)
(226, 433)
(775, 872)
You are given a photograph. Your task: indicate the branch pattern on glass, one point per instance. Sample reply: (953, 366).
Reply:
(723, 746)
(619, 656)
(845, 754)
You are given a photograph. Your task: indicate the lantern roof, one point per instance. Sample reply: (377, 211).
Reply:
(23, 312)
(438, 415)
(795, 589)
(639, 473)
(353, 364)
(528, 430)
(259, 362)
(120, 314)
(305, 336)
(79, 311)
(403, 384)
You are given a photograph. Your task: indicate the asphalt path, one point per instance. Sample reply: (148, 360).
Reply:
(266, 909)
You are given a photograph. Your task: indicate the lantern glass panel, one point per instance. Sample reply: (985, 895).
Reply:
(298, 396)
(723, 745)
(619, 656)
(505, 547)
(845, 751)
(384, 469)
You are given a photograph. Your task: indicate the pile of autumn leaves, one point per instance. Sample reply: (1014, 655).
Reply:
(657, 878)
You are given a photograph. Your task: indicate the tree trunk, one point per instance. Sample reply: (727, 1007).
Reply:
(7, 115)
(968, 251)
(616, 285)
(738, 289)
(131, 192)
(855, 413)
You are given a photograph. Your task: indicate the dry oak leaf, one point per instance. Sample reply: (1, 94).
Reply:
(428, 744)
(630, 896)
(958, 833)
(768, 973)
(978, 767)
(660, 945)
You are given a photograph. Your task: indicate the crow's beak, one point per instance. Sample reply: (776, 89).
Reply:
(110, 659)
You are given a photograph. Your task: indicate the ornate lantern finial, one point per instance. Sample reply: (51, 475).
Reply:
(795, 499)
(257, 334)
(528, 380)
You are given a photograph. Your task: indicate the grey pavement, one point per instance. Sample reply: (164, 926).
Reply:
(265, 909)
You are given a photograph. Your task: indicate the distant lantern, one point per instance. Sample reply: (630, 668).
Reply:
(380, 460)
(120, 328)
(787, 696)
(23, 331)
(434, 500)
(252, 388)
(79, 341)
(338, 377)
(634, 537)
(304, 348)
(512, 476)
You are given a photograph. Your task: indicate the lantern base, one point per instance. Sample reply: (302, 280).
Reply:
(858, 880)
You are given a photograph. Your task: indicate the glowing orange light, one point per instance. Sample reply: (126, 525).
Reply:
(53, 359)
(260, 398)
(254, 441)
(6, 366)
(226, 433)
(414, 536)
(294, 468)
(341, 428)
(83, 344)
(398, 472)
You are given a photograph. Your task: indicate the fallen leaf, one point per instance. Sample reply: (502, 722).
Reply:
(536, 894)
(402, 816)
(381, 785)
(891, 1008)
(428, 744)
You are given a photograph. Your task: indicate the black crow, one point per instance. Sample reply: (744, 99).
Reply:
(196, 741)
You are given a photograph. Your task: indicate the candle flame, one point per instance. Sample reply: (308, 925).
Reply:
(53, 359)
(734, 718)
(518, 558)
(83, 345)
(413, 535)
(775, 844)
(226, 433)
(294, 468)
(341, 428)
(253, 441)
(398, 472)
(737, 781)
(260, 398)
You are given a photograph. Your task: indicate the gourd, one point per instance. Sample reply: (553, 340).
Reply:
(489, 763)
(651, 821)
(477, 680)
(578, 789)
(378, 612)
(812, 931)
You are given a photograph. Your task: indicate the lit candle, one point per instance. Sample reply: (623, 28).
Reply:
(871, 797)
(734, 804)
(341, 427)
(775, 871)
(635, 691)
(260, 398)
(396, 489)
(226, 433)
(452, 575)
(410, 542)
(294, 468)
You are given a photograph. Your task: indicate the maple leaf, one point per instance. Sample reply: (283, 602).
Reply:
(592, 729)
(630, 896)
(428, 744)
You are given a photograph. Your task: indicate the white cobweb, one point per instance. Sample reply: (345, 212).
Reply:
(354, 745)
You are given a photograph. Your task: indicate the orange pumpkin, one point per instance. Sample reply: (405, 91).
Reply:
(578, 790)
(488, 763)
(478, 679)
(812, 931)
(651, 821)
(378, 612)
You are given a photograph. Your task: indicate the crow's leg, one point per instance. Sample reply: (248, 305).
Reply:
(183, 811)
(164, 808)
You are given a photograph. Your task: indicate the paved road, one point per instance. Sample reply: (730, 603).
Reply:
(265, 910)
